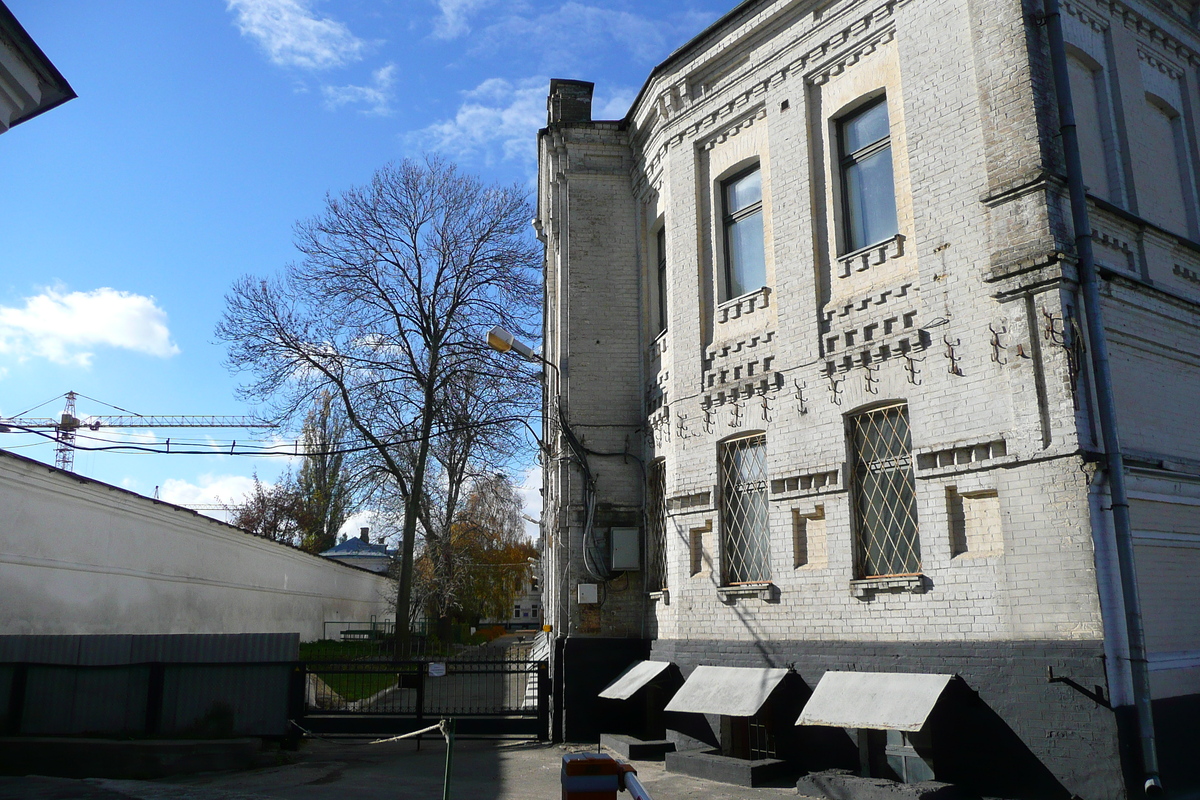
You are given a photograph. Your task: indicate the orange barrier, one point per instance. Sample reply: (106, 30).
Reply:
(594, 776)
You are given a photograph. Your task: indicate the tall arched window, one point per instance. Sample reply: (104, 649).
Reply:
(745, 253)
(868, 189)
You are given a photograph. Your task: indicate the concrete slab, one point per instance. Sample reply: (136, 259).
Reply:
(712, 766)
(631, 748)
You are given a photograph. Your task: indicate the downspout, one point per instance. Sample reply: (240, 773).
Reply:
(1105, 404)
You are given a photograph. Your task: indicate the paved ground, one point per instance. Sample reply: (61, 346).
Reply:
(326, 770)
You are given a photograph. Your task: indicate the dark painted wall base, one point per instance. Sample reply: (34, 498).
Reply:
(1027, 737)
(588, 665)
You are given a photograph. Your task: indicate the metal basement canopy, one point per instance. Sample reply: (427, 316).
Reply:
(880, 700)
(638, 675)
(731, 691)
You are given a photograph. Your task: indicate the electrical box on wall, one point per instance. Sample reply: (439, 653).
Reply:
(626, 549)
(589, 593)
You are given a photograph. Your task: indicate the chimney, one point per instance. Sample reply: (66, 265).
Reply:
(362, 534)
(569, 101)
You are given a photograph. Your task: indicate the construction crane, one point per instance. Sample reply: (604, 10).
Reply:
(67, 424)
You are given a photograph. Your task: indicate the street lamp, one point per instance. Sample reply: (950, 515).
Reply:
(502, 341)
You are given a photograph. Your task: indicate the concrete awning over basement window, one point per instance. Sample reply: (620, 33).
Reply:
(732, 691)
(880, 700)
(638, 675)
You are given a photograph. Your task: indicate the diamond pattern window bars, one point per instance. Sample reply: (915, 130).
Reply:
(745, 536)
(885, 508)
(656, 527)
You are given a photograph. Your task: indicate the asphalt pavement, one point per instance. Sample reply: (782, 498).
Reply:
(329, 770)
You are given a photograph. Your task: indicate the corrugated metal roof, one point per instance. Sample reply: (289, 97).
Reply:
(733, 691)
(898, 701)
(638, 675)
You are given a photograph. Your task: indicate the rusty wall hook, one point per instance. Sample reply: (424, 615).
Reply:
(996, 345)
(954, 368)
(910, 366)
(835, 389)
(800, 387)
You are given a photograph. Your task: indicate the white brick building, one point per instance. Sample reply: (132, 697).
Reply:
(816, 320)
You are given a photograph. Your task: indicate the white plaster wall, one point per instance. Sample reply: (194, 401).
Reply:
(81, 557)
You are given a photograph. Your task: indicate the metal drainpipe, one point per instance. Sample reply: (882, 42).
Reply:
(1105, 405)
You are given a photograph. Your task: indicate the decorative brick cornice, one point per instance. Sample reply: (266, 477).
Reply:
(733, 129)
(828, 57)
(1136, 22)
(1086, 16)
(1157, 62)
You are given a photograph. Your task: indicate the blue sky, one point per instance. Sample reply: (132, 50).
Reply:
(204, 129)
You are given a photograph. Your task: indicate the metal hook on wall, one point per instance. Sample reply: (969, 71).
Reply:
(800, 387)
(708, 420)
(910, 366)
(835, 389)
(996, 345)
(954, 368)
(871, 377)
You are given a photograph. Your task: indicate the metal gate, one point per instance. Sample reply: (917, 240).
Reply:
(493, 697)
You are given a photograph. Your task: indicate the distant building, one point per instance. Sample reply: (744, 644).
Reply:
(528, 611)
(818, 333)
(29, 83)
(359, 552)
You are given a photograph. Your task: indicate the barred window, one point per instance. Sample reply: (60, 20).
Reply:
(745, 537)
(662, 279)
(656, 526)
(884, 492)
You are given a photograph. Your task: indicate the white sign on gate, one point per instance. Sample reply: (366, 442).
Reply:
(436, 669)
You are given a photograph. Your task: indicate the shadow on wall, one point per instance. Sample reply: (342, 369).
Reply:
(977, 750)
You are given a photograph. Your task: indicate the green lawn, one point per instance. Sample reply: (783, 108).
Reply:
(358, 685)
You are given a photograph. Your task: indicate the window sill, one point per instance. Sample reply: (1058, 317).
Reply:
(658, 345)
(767, 592)
(866, 588)
(745, 305)
(663, 596)
(864, 258)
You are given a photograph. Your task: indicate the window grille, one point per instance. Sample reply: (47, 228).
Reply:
(884, 493)
(656, 526)
(745, 537)
(745, 253)
(868, 189)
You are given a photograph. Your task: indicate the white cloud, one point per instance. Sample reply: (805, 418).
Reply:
(498, 120)
(66, 327)
(293, 35)
(453, 21)
(210, 490)
(377, 96)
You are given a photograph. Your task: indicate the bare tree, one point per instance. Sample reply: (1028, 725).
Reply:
(399, 279)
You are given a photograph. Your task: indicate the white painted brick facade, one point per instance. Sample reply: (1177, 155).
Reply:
(997, 384)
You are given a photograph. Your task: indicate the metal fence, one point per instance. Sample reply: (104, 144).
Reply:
(487, 696)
